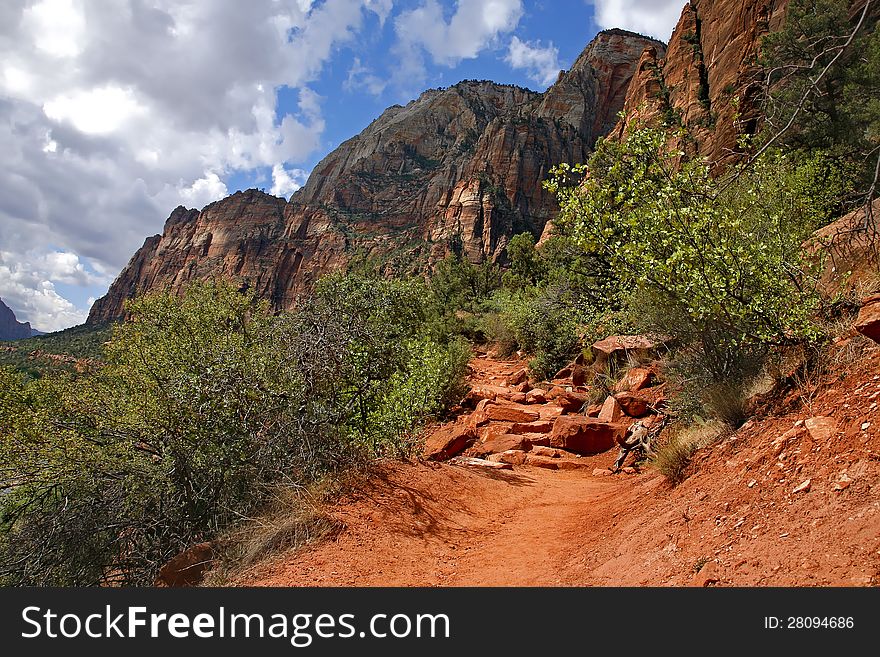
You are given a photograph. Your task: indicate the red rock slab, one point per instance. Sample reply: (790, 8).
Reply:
(584, 435)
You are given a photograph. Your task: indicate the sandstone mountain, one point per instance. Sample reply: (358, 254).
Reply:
(709, 79)
(460, 164)
(10, 327)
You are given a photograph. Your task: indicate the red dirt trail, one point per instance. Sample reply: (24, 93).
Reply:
(735, 521)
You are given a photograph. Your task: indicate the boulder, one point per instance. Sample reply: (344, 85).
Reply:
(572, 402)
(497, 444)
(542, 462)
(593, 410)
(538, 426)
(611, 410)
(187, 568)
(633, 405)
(445, 444)
(536, 396)
(635, 379)
(518, 398)
(584, 435)
(617, 349)
(513, 457)
(868, 321)
(500, 413)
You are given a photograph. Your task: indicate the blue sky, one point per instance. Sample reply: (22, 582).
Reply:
(113, 112)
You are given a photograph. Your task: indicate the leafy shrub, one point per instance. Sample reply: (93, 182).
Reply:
(207, 404)
(720, 261)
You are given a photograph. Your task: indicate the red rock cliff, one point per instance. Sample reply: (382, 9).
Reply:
(708, 78)
(466, 161)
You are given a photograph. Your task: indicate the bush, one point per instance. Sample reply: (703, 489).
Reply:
(715, 263)
(208, 403)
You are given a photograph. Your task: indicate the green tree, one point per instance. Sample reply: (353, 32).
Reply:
(723, 261)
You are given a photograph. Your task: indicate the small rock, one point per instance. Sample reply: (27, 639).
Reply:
(513, 457)
(635, 379)
(866, 426)
(803, 487)
(752, 483)
(821, 428)
(518, 377)
(479, 463)
(572, 402)
(187, 568)
(446, 444)
(629, 470)
(501, 413)
(611, 410)
(538, 426)
(602, 472)
(632, 405)
(708, 575)
(843, 482)
(536, 396)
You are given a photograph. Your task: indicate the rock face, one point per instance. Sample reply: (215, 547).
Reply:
(10, 327)
(461, 164)
(708, 76)
(868, 321)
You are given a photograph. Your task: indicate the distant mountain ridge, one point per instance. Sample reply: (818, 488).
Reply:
(460, 164)
(11, 328)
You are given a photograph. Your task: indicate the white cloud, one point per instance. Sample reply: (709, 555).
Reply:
(474, 26)
(113, 113)
(25, 286)
(204, 190)
(285, 182)
(362, 78)
(540, 63)
(94, 111)
(56, 27)
(655, 18)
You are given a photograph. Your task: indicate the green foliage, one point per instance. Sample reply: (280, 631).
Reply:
(461, 297)
(84, 341)
(207, 403)
(720, 263)
(838, 113)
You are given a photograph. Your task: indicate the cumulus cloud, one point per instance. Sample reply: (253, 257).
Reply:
(26, 286)
(474, 26)
(655, 18)
(286, 181)
(540, 63)
(113, 113)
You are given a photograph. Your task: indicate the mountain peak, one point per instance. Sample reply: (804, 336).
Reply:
(10, 327)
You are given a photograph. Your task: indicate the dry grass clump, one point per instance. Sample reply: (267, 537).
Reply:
(672, 458)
